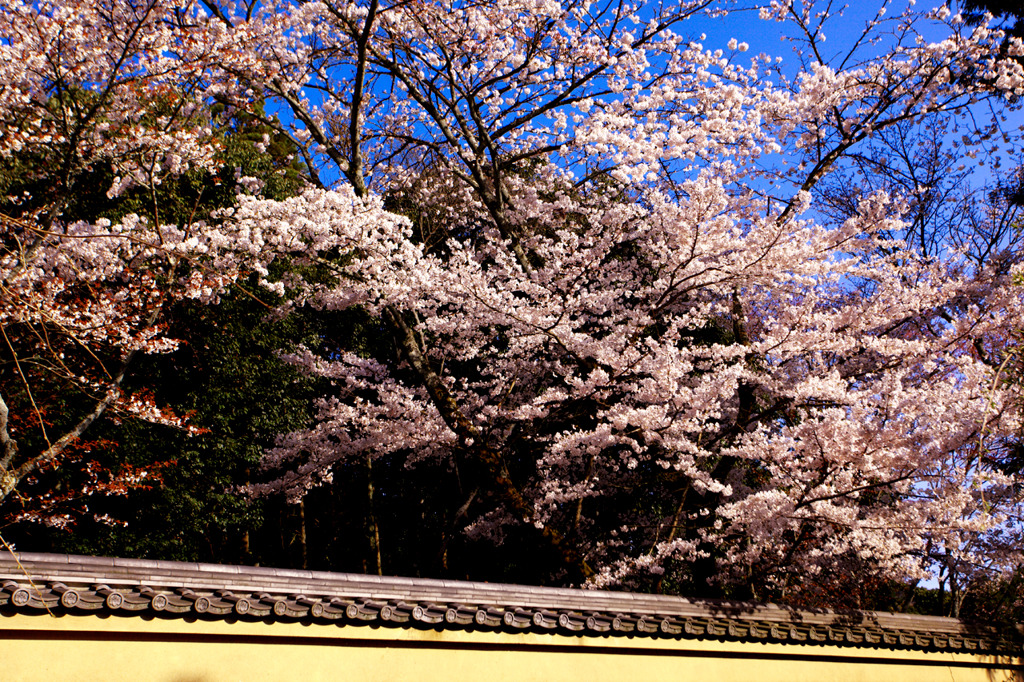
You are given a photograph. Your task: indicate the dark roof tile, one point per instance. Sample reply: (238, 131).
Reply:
(73, 583)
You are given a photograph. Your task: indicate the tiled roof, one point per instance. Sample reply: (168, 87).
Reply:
(76, 584)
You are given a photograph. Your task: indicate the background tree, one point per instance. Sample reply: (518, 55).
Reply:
(88, 88)
(1000, 9)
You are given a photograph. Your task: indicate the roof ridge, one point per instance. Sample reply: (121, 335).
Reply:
(82, 583)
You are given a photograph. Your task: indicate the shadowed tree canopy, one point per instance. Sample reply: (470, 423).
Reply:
(1001, 9)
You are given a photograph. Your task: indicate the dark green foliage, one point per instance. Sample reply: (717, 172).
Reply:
(1010, 10)
(225, 377)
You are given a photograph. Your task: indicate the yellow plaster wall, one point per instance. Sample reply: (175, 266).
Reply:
(43, 648)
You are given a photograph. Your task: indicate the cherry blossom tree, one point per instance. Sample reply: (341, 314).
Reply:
(618, 307)
(97, 105)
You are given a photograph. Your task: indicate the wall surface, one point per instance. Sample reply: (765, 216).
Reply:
(132, 648)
